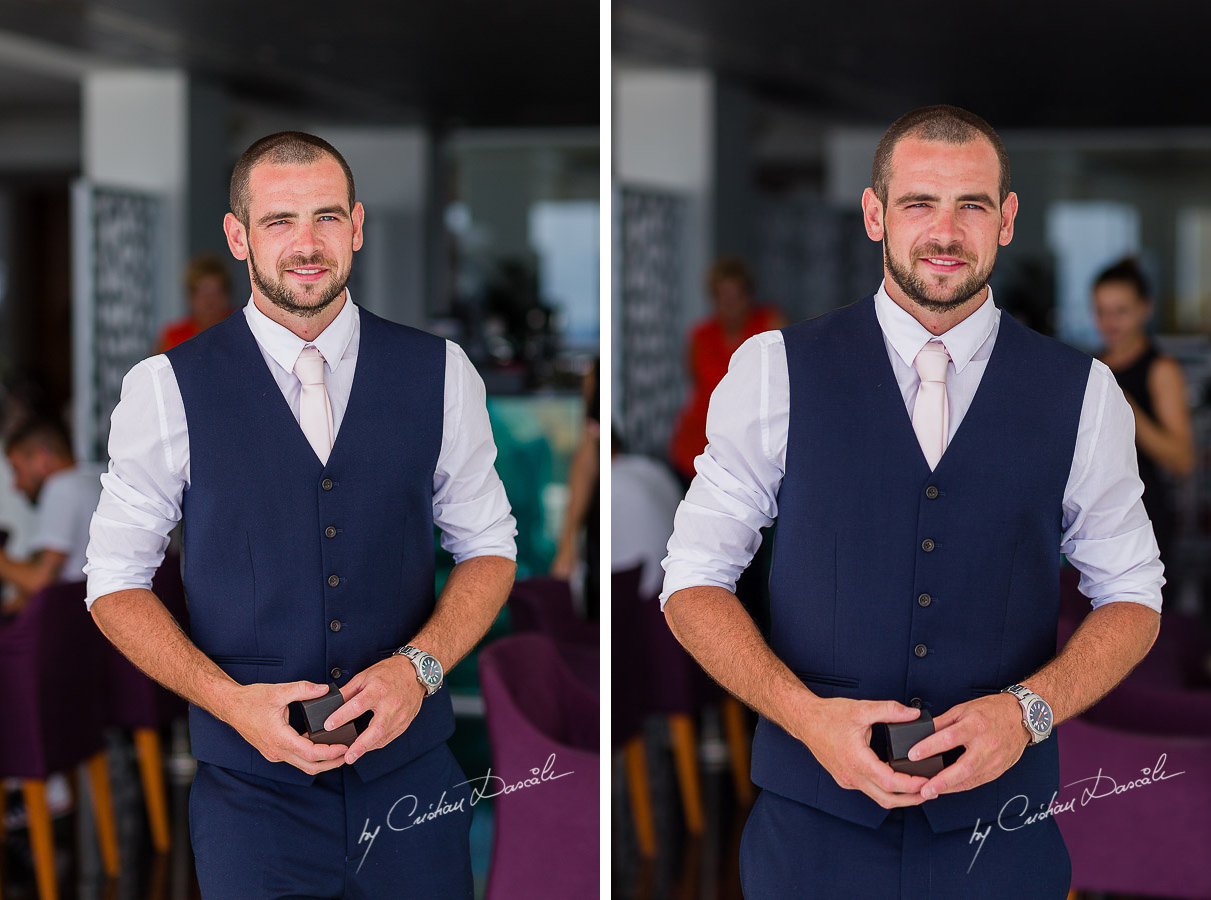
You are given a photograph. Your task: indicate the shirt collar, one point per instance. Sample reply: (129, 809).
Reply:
(284, 346)
(907, 336)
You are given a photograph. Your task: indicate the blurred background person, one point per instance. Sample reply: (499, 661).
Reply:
(1156, 389)
(64, 495)
(736, 316)
(208, 293)
(582, 517)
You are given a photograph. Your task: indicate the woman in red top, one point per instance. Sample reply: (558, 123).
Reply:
(208, 287)
(711, 345)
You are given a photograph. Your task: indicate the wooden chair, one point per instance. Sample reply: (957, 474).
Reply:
(51, 666)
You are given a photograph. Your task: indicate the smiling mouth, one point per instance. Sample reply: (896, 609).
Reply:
(947, 263)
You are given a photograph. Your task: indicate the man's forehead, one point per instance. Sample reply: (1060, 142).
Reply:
(945, 162)
(323, 181)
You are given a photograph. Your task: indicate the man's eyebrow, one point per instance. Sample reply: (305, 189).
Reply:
(326, 211)
(274, 216)
(934, 198)
(917, 198)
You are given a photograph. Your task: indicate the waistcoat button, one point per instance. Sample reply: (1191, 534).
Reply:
(326, 484)
(335, 673)
(932, 492)
(915, 701)
(925, 600)
(334, 625)
(330, 531)
(927, 545)
(334, 580)
(920, 650)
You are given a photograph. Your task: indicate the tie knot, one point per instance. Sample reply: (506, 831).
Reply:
(310, 366)
(931, 362)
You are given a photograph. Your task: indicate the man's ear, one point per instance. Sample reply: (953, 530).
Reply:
(237, 236)
(872, 215)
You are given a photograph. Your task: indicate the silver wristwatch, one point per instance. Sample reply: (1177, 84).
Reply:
(428, 670)
(1036, 713)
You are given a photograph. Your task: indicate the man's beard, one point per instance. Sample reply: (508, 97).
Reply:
(282, 297)
(915, 287)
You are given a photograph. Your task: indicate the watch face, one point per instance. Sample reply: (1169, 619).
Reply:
(1039, 716)
(430, 671)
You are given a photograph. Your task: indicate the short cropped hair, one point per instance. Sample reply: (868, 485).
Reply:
(46, 432)
(942, 124)
(729, 268)
(285, 148)
(207, 265)
(1125, 271)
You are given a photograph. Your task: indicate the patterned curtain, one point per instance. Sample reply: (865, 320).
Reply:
(652, 236)
(122, 274)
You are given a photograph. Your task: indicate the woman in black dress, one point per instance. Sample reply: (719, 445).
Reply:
(1155, 388)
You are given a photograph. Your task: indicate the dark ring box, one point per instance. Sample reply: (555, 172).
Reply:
(308, 716)
(891, 742)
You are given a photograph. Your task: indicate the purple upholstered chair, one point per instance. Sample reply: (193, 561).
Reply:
(546, 840)
(1150, 840)
(139, 704)
(1141, 707)
(51, 666)
(545, 605)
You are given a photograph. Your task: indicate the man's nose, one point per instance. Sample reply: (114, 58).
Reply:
(306, 238)
(945, 228)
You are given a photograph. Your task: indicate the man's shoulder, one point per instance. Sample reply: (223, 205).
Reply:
(370, 321)
(842, 321)
(204, 342)
(1042, 346)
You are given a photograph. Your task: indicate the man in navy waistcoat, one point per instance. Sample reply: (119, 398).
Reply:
(928, 460)
(309, 447)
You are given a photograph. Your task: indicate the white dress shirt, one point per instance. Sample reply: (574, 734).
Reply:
(149, 454)
(1107, 534)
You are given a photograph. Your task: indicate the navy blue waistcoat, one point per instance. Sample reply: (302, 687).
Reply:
(294, 569)
(883, 587)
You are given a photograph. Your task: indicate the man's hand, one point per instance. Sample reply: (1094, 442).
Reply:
(838, 734)
(991, 729)
(258, 713)
(391, 689)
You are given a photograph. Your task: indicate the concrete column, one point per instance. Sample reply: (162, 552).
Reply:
(664, 140)
(136, 136)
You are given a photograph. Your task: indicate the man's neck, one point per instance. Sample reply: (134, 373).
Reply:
(306, 327)
(935, 322)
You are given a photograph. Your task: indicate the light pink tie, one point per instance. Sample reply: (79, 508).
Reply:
(315, 410)
(931, 414)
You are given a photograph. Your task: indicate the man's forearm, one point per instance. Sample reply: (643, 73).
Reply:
(714, 627)
(1109, 643)
(469, 603)
(139, 625)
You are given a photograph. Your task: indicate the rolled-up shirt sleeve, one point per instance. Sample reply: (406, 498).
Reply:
(469, 502)
(141, 491)
(734, 495)
(1107, 534)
